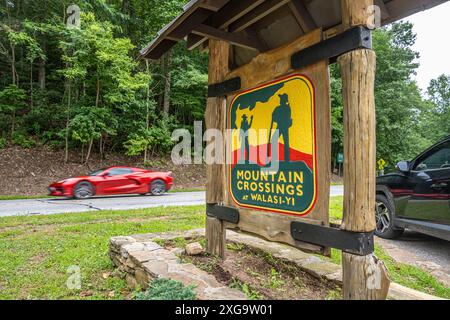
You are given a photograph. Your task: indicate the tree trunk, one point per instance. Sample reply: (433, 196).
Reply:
(13, 64)
(41, 74)
(66, 155)
(31, 84)
(97, 97)
(88, 155)
(147, 116)
(167, 86)
(126, 11)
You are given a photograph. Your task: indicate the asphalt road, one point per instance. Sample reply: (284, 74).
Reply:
(62, 205)
(422, 251)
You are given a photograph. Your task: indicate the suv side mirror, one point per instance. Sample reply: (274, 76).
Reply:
(403, 166)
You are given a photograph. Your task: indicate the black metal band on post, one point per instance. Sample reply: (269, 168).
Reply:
(331, 49)
(224, 88)
(358, 243)
(223, 213)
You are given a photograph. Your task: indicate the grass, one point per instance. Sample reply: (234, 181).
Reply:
(336, 204)
(404, 274)
(2, 197)
(407, 275)
(36, 252)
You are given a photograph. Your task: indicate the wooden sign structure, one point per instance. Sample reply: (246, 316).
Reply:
(310, 99)
(268, 72)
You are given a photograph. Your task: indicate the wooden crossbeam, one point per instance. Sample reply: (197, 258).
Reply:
(232, 11)
(302, 15)
(194, 40)
(198, 17)
(213, 5)
(384, 10)
(235, 39)
(257, 14)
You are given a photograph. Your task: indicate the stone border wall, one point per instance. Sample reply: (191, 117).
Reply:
(142, 260)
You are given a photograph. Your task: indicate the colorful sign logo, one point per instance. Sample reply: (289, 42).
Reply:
(273, 147)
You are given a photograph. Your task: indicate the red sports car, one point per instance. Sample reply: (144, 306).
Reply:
(114, 180)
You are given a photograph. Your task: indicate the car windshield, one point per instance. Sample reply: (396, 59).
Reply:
(96, 173)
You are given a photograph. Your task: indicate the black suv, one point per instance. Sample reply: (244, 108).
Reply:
(417, 196)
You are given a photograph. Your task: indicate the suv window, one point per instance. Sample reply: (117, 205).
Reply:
(438, 159)
(118, 172)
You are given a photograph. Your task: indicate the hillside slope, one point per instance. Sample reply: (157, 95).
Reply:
(29, 171)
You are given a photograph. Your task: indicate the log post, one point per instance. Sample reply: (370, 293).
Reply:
(215, 118)
(364, 277)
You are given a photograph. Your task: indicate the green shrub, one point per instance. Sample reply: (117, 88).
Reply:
(167, 289)
(3, 143)
(23, 141)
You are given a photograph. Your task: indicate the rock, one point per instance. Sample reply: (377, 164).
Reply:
(142, 278)
(131, 281)
(178, 251)
(194, 249)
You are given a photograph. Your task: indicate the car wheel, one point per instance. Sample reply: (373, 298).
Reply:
(157, 187)
(384, 217)
(83, 190)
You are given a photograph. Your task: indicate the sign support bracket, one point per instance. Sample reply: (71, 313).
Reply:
(358, 243)
(222, 213)
(331, 49)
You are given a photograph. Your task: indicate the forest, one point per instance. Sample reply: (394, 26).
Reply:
(84, 90)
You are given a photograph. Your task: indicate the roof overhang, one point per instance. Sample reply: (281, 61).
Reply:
(254, 26)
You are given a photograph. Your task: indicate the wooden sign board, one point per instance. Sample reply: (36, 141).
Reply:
(287, 185)
(297, 103)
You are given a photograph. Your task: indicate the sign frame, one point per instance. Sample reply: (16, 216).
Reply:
(263, 69)
(312, 203)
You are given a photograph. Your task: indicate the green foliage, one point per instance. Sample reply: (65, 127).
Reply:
(21, 140)
(157, 137)
(275, 279)
(402, 113)
(249, 292)
(96, 90)
(3, 143)
(167, 289)
(437, 110)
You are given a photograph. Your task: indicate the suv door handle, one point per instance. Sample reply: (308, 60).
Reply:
(439, 186)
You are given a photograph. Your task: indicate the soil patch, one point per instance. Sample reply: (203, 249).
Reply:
(261, 276)
(29, 171)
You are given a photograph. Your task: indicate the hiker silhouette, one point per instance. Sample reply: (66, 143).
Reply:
(282, 116)
(245, 146)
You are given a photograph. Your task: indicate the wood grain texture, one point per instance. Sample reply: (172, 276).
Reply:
(365, 276)
(215, 119)
(354, 12)
(358, 76)
(215, 234)
(274, 63)
(262, 69)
